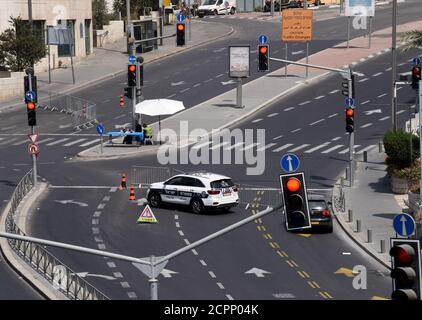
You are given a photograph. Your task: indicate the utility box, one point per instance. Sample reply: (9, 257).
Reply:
(145, 29)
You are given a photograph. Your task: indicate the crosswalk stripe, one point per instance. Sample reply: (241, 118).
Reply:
(266, 147)
(219, 145)
(8, 141)
(366, 149)
(317, 147)
(249, 146)
(332, 148)
(45, 140)
(299, 147)
(288, 145)
(89, 143)
(20, 142)
(74, 142)
(57, 142)
(234, 146)
(347, 149)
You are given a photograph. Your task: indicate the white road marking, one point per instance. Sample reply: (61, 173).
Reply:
(377, 74)
(88, 143)
(401, 111)
(220, 285)
(176, 216)
(101, 246)
(385, 118)
(132, 295)
(318, 121)
(346, 253)
(95, 221)
(220, 75)
(365, 102)
(332, 148)
(299, 147)
(125, 285)
(347, 149)
(181, 233)
(234, 146)
(334, 91)
(199, 146)
(95, 230)
(278, 137)
(101, 206)
(304, 102)
(97, 214)
(117, 275)
(44, 140)
(333, 115)
(296, 130)
(57, 142)
(219, 145)
(187, 241)
(319, 97)
(388, 69)
(203, 262)
(399, 88)
(184, 90)
(171, 96)
(106, 198)
(196, 85)
(119, 117)
(366, 149)
(272, 115)
(366, 125)
(289, 108)
(266, 147)
(111, 264)
(257, 120)
(177, 225)
(318, 147)
(363, 80)
(194, 252)
(74, 142)
(250, 146)
(208, 80)
(229, 297)
(382, 95)
(212, 274)
(113, 189)
(288, 145)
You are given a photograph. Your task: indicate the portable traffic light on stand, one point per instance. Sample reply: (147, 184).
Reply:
(296, 209)
(131, 75)
(406, 269)
(350, 121)
(180, 34)
(263, 57)
(416, 77)
(32, 117)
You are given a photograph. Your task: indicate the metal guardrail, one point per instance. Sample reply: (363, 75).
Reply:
(340, 200)
(83, 111)
(41, 260)
(145, 175)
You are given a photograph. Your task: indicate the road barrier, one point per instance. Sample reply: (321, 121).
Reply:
(83, 112)
(41, 260)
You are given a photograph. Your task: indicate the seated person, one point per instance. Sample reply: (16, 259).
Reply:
(128, 139)
(138, 128)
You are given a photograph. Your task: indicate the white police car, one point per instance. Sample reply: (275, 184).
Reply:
(201, 191)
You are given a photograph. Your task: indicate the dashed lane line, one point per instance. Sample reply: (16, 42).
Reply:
(315, 122)
(332, 115)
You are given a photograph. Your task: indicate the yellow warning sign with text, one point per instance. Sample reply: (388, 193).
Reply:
(296, 25)
(147, 216)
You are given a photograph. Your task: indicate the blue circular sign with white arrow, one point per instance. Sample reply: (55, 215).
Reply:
(100, 128)
(416, 61)
(289, 162)
(350, 102)
(132, 59)
(262, 39)
(30, 95)
(180, 18)
(404, 225)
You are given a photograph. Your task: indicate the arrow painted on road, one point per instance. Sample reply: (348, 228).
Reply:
(369, 112)
(379, 298)
(305, 235)
(224, 83)
(403, 221)
(347, 272)
(87, 274)
(177, 83)
(82, 204)
(168, 273)
(258, 272)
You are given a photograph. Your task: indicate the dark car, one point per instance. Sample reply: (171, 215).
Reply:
(321, 217)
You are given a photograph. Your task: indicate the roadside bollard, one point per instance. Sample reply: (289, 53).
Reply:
(347, 174)
(350, 215)
(365, 156)
(382, 246)
(369, 236)
(358, 226)
(380, 146)
(342, 182)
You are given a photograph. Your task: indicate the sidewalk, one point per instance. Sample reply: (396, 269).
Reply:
(373, 203)
(221, 112)
(109, 61)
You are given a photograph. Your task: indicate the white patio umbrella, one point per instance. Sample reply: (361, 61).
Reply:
(159, 107)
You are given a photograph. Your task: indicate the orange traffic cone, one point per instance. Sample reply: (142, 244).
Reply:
(123, 183)
(132, 193)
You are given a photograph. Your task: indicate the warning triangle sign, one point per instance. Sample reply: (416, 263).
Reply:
(147, 216)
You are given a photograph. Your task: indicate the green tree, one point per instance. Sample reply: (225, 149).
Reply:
(100, 15)
(136, 7)
(413, 40)
(20, 46)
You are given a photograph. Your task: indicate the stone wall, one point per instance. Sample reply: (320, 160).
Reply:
(12, 87)
(110, 33)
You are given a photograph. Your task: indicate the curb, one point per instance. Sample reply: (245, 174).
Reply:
(21, 267)
(118, 73)
(349, 232)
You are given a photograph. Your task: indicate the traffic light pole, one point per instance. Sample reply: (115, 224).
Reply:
(394, 67)
(420, 140)
(34, 156)
(351, 137)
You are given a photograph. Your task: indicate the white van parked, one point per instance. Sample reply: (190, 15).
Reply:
(215, 7)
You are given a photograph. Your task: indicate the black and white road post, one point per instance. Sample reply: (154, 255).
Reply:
(30, 73)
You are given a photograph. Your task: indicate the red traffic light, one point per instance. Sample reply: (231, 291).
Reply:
(132, 68)
(180, 27)
(30, 106)
(349, 112)
(293, 185)
(263, 49)
(403, 253)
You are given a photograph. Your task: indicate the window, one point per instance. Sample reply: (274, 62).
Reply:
(192, 182)
(64, 50)
(177, 181)
(225, 183)
(38, 28)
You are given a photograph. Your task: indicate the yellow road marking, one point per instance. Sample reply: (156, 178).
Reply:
(285, 254)
(272, 245)
(322, 295)
(269, 236)
(300, 273)
(294, 263)
(316, 284)
(306, 274)
(276, 245)
(347, 272)
(306, 235)
(378, 298)
(265, 236)
(311, 284)
(328, 295)
(289, 263)
(259, 228)
(260, 221)
(280, 253)
(263, 228)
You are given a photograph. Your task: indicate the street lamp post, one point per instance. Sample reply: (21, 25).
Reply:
(394, 67)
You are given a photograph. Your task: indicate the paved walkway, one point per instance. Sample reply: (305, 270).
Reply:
(221, 111)
(107, 62)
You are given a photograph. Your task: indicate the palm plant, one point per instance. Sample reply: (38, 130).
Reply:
(413, 39)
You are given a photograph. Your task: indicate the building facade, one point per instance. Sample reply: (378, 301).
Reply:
(76, 15)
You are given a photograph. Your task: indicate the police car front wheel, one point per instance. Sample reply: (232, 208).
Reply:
(197, 206)
(154, 200)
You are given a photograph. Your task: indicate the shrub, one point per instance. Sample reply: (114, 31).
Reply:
(397, 148)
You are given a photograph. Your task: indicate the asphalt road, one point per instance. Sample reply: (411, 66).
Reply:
(61, 223)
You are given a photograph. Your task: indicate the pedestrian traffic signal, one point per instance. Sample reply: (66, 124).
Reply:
(350, 121)
(346, 88)
(263, 57)
(32, 117)
(406, 269)
(416, 77)
(180, 34)
(296, 210)
(131, 75)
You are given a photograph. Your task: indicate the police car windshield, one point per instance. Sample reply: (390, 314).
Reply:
(224, 183)
(209, 2)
